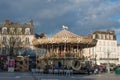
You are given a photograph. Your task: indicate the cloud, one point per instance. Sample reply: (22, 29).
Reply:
(81, 16)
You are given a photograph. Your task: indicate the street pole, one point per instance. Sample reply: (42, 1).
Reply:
(95, 59)
(28, 62)
(108, 65)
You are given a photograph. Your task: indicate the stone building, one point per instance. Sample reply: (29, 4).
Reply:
(15, 38)
(106, 50)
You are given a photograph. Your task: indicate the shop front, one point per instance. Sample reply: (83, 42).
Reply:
(3, 63)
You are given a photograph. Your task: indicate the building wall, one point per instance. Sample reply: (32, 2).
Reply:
(105, 48)
(21, 35)
(118, 51)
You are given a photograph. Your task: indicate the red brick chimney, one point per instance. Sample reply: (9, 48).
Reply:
(6, 22)
(31, 22)
(90, 36)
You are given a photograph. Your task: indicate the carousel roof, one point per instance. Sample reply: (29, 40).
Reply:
(64, 33)
(65, 36)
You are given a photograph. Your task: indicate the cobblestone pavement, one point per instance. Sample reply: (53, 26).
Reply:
(30, 76)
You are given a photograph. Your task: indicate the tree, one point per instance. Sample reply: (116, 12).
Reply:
(13, 46)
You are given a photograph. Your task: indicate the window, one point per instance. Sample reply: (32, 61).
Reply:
(111, 37)
(97, 36)
(27, 40)
(11, 39)
(113, 43)
(27, 31)
(3, 50)
(107, 43)
(100, 43)
(4, 39)
(107, 36)
(19, 30)
(103, 36)
(104, 43)
(94, 36)
(4, 30)
(12, 30)
(18, 39)
(100, 48)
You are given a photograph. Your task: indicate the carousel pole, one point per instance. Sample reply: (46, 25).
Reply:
(78, 41)
(77, 50)
(52, 53)
(52, 50)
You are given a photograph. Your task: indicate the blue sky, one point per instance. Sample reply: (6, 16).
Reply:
(81, 16)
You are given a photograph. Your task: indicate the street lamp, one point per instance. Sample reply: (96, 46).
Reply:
(28, 63)
(95, 59)
(108, 65)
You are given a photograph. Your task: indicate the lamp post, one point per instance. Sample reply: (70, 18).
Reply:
(95, 59)
(108, 65)
(28, 63)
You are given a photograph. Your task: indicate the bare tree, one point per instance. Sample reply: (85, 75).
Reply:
(13, 45)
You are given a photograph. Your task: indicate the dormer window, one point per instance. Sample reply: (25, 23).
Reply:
(111, 37)
(27, 31)
(97, 36)
(4, 30)
(27, 40)
(107, 36)
(103, 36)
(19, 30)
(12, 30)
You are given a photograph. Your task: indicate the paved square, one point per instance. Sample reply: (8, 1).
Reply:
(30, 76)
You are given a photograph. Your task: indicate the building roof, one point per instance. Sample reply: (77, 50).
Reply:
(16, 24)
(105, 32)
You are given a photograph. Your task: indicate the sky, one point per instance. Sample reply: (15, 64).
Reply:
(81, 16)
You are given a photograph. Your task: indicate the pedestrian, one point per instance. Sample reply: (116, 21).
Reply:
(96, 69)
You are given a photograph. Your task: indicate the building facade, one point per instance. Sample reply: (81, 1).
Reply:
(106, 50)
(118, 51)
(15, 38)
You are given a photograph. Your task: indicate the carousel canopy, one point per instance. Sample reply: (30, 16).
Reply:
(65, 37)
(65, 33)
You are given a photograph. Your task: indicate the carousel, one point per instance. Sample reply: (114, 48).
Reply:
(64, 50)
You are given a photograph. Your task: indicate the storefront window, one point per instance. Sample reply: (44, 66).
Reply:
(11, 63)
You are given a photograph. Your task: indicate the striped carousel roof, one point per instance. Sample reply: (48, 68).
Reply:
(64, 33)
(65, 36)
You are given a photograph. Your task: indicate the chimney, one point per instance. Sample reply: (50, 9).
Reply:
(31, 22)
(90, 36)
(6, 22)
(112, 31)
